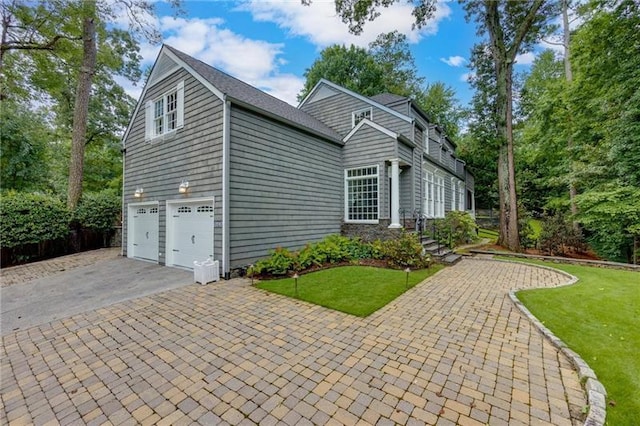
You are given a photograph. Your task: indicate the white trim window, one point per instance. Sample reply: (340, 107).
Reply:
(361, 114)
(165, 114)
(461, 195)
(453, 194)
(439, 197)
(429, 189)
(362, 201)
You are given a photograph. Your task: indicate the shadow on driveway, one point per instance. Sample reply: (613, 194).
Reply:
(82, 289)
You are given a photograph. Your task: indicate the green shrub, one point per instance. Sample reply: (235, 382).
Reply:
(405, 251)
(32, 218)
(456, 228)
(279, 262)
(558, 236)
(528, 235)
(98, 211)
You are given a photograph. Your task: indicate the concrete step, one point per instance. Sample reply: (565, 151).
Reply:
(433, 249)
(451, 259)
(440, 255)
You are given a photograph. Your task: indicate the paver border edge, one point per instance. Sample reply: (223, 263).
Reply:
(596, 393)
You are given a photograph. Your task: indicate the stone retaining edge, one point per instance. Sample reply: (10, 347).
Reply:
(596, 393)
(569, 260)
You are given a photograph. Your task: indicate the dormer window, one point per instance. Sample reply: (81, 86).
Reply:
(358, 116)
(165, 114)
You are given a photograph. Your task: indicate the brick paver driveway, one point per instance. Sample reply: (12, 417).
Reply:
(453, 350)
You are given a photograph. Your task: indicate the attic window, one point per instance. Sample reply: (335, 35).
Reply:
(358, 116)
(165, 114)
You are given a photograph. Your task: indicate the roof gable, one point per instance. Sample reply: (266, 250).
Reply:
(244, 94)
(318, 90)
(230, 88)
(376, 126)
(163, 67)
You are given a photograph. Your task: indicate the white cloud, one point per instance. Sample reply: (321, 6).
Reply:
(454, 61)
(467, 76)
(253, 61)
(320, 24)
(525, 58)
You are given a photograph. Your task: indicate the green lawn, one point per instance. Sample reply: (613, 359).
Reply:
(356, 290)
(488, 233)
(599, 318)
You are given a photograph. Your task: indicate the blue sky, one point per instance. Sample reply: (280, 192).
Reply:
(269, 44)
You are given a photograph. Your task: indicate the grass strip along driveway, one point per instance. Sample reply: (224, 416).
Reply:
(355, 290)
(599, 318)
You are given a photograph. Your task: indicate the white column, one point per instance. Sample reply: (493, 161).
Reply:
(395, 194)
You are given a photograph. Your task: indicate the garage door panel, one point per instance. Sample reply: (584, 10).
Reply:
(144, 232)
(192, 231)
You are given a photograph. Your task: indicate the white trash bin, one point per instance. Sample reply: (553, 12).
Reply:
(206, 272)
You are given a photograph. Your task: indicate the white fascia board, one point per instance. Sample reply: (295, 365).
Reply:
(311, 93)
(357, 96)
(181, 63)
(367, 122)
(197, 76)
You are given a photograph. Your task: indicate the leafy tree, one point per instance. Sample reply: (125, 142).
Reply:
(611, 217)
(69, 56)
(479, 146)
(400, 74)
(386, 66)
(542, 152)
(351, 67)
(440, 103)
(23, 149)
(511, 27)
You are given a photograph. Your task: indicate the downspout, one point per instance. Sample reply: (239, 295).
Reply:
(226, 138)
(124, 206)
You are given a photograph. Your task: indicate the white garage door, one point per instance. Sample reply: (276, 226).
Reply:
(143, 232)
(190, 230)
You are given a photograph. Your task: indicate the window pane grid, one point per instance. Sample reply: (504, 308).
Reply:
(158, 115)
(172, 109)
(165, 113)
(362, 194)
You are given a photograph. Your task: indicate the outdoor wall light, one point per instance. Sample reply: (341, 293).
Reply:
(184, 186)
(138, 193)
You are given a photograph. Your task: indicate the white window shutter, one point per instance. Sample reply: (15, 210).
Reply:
(148, 112)
(180, 115)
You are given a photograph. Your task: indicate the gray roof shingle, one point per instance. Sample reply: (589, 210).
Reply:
(245, 93)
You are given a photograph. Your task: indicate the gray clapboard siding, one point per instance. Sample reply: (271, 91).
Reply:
(285, 187)
(366, 146)
(336, 111)
(370, 147)
(402, 108)
(193, 153)
(406, 192)
(419, 138)
(405, 153)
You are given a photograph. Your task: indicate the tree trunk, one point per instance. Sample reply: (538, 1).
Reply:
(81, 107)
(513, 238)
(509, 235)
(6, 21)
(568, 73)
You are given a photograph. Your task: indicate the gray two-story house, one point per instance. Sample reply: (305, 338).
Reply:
(214, 167)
